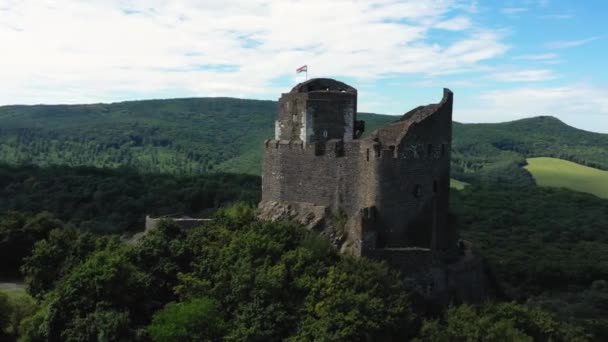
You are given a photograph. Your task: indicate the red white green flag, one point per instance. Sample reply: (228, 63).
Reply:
(303, 68)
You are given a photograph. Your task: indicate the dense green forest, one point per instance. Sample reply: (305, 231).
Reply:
(239, 279)
(180, 136)
(545, 247)
(117, 200)
(201, 135)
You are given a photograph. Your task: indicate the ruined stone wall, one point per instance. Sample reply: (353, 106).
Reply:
(413, 191)
(183, 222)
(408, 260)
(390, 190)
(401, 171)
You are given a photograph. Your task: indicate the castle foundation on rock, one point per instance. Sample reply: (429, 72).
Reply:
(384, 195)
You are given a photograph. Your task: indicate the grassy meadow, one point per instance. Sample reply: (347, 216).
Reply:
(564, 174)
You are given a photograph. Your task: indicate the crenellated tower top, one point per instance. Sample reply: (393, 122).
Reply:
(318, 110)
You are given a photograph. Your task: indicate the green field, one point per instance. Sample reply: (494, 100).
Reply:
(564, 174)
(456, 184)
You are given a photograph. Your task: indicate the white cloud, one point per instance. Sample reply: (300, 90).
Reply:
(580, 105)
(524, 75)
(570, 43)
(537, 57)
(455, 24)
(75, 51)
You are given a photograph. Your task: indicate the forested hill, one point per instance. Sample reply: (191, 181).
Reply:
(539, 136)
(168, 136)
(199, 135)
(499, 150)
(180, 136)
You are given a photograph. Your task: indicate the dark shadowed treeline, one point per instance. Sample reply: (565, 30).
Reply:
(107, 200)
(547, 246)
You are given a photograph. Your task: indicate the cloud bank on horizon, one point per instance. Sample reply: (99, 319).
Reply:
(504, 60)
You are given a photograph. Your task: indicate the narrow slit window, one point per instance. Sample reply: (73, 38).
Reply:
(435, 187)
(367, 155)
(417, 190)
(429, 149)
(443, 150)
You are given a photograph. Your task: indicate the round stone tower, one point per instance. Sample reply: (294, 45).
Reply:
(318, 110)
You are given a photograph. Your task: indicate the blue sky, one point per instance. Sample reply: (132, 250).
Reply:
(504, 60)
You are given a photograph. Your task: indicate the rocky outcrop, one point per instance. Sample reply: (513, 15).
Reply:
(314, 217)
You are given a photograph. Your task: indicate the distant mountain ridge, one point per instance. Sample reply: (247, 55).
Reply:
(498, 151)
(201, 135)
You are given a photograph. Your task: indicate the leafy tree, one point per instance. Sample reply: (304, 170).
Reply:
(195, 320)
(95, 291)
(499, 322)
(357, 300)
(103, 324)
(56, 256)
(5, 313)
(18, 233)
(162, 254)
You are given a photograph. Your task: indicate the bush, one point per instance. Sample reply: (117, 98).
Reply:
(195, 320)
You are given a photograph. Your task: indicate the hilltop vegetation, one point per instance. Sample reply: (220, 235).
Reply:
(239, 279)
(564, 174)
(202, 135)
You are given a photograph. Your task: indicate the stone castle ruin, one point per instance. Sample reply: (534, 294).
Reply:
(383, 196)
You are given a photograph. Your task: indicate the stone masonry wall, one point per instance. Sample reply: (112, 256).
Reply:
(413, 193)
(401, 170)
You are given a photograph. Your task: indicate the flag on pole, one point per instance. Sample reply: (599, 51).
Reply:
(303, 68)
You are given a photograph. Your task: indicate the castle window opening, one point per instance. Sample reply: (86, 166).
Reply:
(367, 154)
(429, 149)
(417, 190)
(442, 150)
(435, 187)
